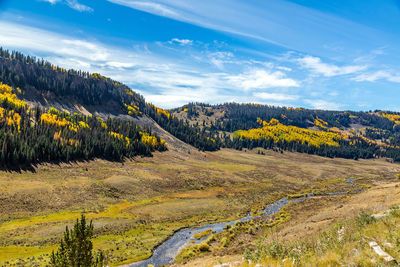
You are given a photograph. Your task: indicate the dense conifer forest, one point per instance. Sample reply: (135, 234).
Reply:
(346, 134)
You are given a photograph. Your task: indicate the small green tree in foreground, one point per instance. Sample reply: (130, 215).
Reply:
(76, 247)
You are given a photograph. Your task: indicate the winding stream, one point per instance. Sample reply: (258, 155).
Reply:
(168, 250)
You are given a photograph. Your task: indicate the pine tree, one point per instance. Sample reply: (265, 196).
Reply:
(76, 248)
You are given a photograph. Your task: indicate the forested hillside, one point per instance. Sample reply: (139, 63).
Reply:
(27, 81)
(41, 82)
(30, 136)
(345, 134)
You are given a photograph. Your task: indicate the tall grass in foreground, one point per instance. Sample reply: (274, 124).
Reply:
(345, 243)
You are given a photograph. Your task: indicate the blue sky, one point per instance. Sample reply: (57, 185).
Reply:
(333, 54)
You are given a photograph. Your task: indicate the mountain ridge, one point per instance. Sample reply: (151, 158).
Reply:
(203, 126)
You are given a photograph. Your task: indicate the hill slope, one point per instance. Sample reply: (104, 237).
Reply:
(88, 107)
(346, 134)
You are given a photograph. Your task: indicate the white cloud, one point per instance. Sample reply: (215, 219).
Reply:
(322, 104)
(284, 68)
(181, 41)
(120, 65)
(219, 59)
(276, 96)
(74, 4)
(51, 1)
(261, 79)
(78, 6)
(316, 65)
(147, 6)
(378, 75)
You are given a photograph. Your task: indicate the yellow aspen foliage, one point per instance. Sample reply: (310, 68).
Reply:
(102, 123)
(151, 140)
(83, 125)
(133, 109)
(127, 141)
(116, 135)
(162, 142)
(55, 68)
(2, 112)
(53, 119)
(6, 94)
(320, 123)
(128, 92)
(120, 137)
(98, 76)
(11, 118)
(278, 132)
(211, 139)
(161, 111)
(392, 117)
(295, 109)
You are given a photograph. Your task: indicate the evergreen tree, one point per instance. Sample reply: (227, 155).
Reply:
(76, 248)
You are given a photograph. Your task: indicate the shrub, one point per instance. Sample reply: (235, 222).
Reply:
(395, 211)
(364, 218)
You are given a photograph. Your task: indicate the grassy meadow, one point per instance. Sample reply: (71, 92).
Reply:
(138, 204)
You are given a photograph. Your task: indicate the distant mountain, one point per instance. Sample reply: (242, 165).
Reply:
(49, 114)
(346, 134)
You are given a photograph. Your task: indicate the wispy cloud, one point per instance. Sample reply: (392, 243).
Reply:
(51, 1)
(147, 6)
(219, 59)
(378, 75)
(323, 104)
(276, 96)
(316, 65)
(283, 23)
(261, 79)
(181, 41)
(74, 4)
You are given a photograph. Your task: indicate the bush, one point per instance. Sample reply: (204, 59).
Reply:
(203, 247)
(276, 249)
(364, 218)
(395, 211)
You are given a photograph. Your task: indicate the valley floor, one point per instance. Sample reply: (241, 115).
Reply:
(330, 232)
(138, 204)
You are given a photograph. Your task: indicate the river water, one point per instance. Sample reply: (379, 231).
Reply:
(168, 250)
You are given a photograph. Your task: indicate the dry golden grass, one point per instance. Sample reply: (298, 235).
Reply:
(326, 215)
(137, 204)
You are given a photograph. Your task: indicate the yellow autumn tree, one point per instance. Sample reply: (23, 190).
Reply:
(274, 130)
